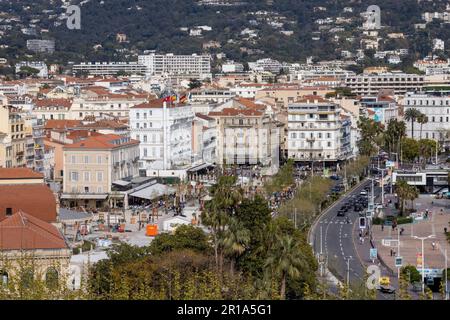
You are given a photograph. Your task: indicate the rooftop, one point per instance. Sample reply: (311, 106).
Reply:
(23, 231)
(103, 141)
(19, 173)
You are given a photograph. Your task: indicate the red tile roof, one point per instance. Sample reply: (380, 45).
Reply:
(102, 141)
(19, 173)
(62, 124)
(23, 231)
(203, 116)
(36, 199)
(43, 103)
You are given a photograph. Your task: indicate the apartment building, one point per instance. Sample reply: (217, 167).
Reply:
(39, 65)
(380, 108)
(211, 95)
(436, 107)
(52, 109)
(101, 103)
(177, 65)
(204, 139)
(109, 68)
(165, 132)
(12, 138)
(286, 94)
(93, 164)
(316, 131)
(38, 45)
(246, 136)
(371, 84)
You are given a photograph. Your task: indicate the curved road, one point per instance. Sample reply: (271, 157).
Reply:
(339, 241)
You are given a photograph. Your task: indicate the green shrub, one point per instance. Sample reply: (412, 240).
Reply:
(411, 273)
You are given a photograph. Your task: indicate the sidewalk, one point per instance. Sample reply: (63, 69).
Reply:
(409, 246)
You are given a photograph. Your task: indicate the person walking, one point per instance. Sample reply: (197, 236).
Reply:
(382, 227)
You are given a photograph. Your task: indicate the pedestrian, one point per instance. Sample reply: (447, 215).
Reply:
(433, 245)
(401, 231)
(382, 227)
(360, 240)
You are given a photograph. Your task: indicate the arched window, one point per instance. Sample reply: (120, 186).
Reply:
(4, 277)
(51, 278)
(27, 278)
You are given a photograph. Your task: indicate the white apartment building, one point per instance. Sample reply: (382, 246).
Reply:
(51, 109)
(316, 131)
(38, 45)
(371, 84)
(436, 107)
(211, 95)
(103, 104)
(269, 65)
(177, 65)
(109, 68)
(165, 132)
(204, 139)
(232, 67)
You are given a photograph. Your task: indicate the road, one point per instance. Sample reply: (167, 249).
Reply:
(339, 241)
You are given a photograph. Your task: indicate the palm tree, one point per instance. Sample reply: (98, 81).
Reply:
(235, 240)
(422, 119)
(412, 115)
(286, 260)
(225, 198)
(402, 193)
(413, 193)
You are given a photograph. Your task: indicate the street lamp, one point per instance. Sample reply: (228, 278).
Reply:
(423, 259)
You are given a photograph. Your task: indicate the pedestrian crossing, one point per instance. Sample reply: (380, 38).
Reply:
(331, 222)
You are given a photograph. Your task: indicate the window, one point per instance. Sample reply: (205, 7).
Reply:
(99, 176)
(86, 176)
(99, 159)
(328, 135)
(86, 159)
(100, 189)
(51, 278)
(145, 125)
(328, 144)
(8, 212)
(145, 152)
(4, 278)
(74, 176)
(145, 138)
(145, 115)
(86, 189)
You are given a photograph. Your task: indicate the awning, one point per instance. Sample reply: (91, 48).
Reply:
(200, 167)
(154, 191)
(84, 196)
(122, 183)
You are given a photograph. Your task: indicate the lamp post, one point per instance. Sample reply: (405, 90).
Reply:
(423, 259)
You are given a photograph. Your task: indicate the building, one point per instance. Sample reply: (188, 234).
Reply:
(29, 244)
(24, 189)
(38, 65)
(53, 109)
(190, 66)
(436, 107)
(12, 138)
(316, 131)
(371, 84)
(211, 95)
(165, 132)
(39, 46)
(204, 139)
(93, 164)
(109, 68)
(99, 102)
(232, 67)
(382, 109)
(438, 45)
(269, 65)
(246, 135)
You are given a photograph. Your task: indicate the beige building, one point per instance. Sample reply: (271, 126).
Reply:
(246, 136)
(12, 138)
(289, 94)
(92, 165)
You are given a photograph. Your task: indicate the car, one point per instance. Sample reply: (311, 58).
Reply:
(387, 289)
(341, 213)
(363, 193)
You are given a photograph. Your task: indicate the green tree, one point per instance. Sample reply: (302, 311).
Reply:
(412, 115)
(184, 237)
(371, 133)
(235, 241)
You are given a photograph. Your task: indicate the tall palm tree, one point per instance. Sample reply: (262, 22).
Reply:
(413, 193)
(286, 260)
(422, 119)
(226, 196)
(235, 240)
(412, 115)
(401, 188)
